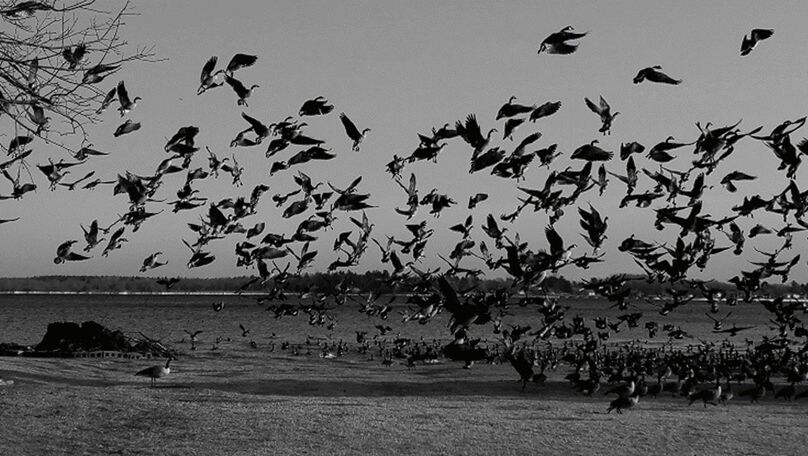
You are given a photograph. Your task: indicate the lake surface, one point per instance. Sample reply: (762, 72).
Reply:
(24, 319)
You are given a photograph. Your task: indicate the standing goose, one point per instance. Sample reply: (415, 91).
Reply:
(156, 372)
(353, 132)
(624, 403)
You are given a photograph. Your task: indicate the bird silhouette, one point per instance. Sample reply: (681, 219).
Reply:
(353, 132)
(655, 74)
(755, 36)
(155, 372)
(557, 43)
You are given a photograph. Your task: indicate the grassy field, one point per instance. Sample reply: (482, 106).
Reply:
(214, 404)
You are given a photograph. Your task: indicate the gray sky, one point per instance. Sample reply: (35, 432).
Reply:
(405, 67)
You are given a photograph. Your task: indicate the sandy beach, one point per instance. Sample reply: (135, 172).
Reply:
(214, 404)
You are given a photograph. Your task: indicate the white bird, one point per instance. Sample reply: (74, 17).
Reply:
(156, 372)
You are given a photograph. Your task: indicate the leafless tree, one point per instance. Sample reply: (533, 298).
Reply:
(54, 58)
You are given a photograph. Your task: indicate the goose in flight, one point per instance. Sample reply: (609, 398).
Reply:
(471, 133)
(315, 107)
(156, 372)
(126, 128)
(750, 41)
(353, 133)
(556, 43)
(151, 262)
(590, 152)
(605, 112)
(655, 74)
(511, 109)
(115, 241)
(75, 56)
(242, 92)
(240, 61)
(126, 104)
(98, 73)
(207, 80)
(64, 254)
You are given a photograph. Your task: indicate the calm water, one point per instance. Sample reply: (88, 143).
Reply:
(24, 319)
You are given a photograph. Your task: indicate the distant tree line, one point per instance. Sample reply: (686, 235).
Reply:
(370, 281)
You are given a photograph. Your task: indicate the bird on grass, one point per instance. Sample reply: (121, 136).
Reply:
(156, 372)
(624, 403)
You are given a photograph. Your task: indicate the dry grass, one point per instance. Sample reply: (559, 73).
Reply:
(257, 404)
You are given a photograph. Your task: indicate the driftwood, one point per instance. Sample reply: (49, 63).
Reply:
(66, 339)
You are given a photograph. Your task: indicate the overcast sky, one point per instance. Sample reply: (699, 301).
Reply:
(401, 68)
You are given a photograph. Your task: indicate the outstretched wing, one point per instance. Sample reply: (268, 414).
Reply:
(123, 95)
(350, 128)
(592, 106)
(207, 70)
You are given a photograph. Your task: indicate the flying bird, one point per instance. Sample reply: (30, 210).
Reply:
(605, 112)
(353, 133)
(750, 41)
(655, 74)
(207, 80)
(557, 43)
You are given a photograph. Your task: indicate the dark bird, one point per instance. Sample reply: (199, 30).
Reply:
(207, 80)
(623, 403)
(242, 92)
(64, 254)
(729, 179)
(97, 73)
(708, 396)
(240, 61)
(315, 107)
(511, 109)
(75, 56)
(126, 128)
(156, 372)
(353, 133)
(545, 110)
(510, 127)
(108, 99)
(590, 152)
(655, 74)
(628, 149)
(477, 199)
(605, 112)
(750, 41)
(151, 262)
(490, 158)
(595, 227)
(472, 135)
(168, 283)
(556, 43)
(126, 104)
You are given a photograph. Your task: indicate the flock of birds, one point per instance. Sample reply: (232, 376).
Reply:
(674, 196)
